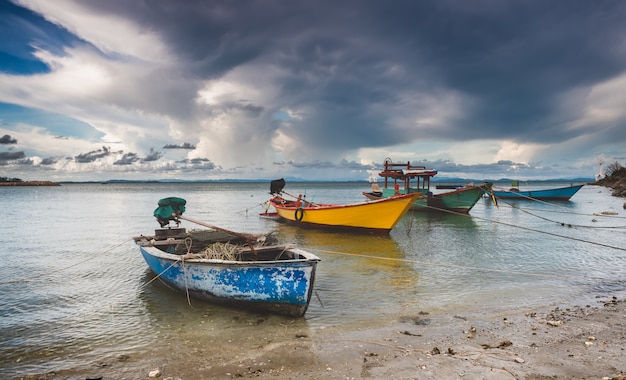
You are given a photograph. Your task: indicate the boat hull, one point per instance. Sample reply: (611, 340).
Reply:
(461, 200)
(280, 286)
(379, 215)
(557, 194)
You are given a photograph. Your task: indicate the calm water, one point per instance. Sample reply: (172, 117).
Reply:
(77, 299)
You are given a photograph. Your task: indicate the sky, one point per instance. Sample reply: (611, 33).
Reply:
(96, 90)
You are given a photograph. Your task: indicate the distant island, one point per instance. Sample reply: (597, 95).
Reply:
(4, 181)
(614, 179)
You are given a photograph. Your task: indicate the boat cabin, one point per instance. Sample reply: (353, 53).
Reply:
(403, 178)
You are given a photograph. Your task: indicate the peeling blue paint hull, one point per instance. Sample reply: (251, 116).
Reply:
(282, 286)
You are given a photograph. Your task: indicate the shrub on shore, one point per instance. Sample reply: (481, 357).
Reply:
(615, 179)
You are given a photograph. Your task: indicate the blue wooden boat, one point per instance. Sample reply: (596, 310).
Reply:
(276, 278)
(229, 268)
(555, 194)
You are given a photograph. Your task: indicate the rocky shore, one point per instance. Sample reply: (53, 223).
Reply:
(29, 183)
(616, 181)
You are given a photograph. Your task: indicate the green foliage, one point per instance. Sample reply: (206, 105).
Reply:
(6, 179)
(615, 168)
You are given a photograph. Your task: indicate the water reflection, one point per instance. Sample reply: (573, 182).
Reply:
(432, 220)
(360, 274)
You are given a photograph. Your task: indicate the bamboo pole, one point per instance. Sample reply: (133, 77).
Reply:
(250, 238)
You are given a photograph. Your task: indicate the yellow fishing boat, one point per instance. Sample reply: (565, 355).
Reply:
(379, 215)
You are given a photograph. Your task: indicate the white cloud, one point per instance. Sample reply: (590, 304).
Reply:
(605, 103)
(40, 142)
(111, 34)
(517, 152)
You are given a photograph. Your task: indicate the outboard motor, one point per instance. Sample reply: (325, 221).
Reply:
(276, 186)
(169, 209)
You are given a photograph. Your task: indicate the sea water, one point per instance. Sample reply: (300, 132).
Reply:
(77, 298)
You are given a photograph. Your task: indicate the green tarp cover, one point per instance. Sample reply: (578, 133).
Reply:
(169, 206)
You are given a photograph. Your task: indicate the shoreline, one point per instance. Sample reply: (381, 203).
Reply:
(572, 342)
(546, 342)
(616, 182)
(30, 183)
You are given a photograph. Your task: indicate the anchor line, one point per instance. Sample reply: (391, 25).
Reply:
(64, 268)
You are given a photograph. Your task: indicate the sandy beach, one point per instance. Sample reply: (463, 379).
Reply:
(580, 342)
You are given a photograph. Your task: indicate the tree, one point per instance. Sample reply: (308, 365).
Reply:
(6, 179)
(614, 168)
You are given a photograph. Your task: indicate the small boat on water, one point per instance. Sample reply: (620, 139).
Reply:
(380, 215)
(553, 194)
(448, 187)
(227, 267)
(404, 178)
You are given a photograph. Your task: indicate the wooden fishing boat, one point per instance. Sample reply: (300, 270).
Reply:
(403, 178)
(379, 215)
(448, 187)
(231, 268)
(553, 194)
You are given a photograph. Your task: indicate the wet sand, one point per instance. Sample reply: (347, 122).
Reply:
(564, 342)
(577, 342)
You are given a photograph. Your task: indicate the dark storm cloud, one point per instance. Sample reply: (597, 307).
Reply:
(49, 161)
(5, 156)
(183, 146)
(127, 159)
(512, 60)
(343, 165)
(447, 168)
(365, 73)
(153, 156)
(199, 163)
(93, 155)
(6, 139)
(26, 161)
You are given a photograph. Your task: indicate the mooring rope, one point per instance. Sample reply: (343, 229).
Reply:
(245, 210)
(563, 223)
(521, 209)
(437, 264)
(475, 268)
(533, 229)
(64, 268)
(603, 215)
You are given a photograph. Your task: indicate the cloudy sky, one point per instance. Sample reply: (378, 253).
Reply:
(156, 89)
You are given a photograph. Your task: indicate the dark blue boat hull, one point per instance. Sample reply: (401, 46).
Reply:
(557, 194)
